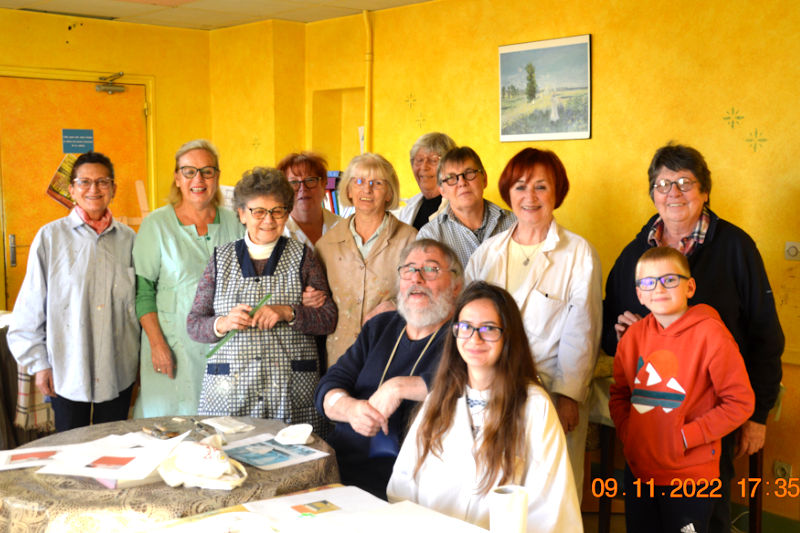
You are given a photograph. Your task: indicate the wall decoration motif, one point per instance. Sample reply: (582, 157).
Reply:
(756, 139)
(545, 90)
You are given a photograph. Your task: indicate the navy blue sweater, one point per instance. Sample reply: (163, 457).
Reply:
(358, 371)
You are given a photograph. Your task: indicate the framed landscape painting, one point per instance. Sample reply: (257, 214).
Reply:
(546, 90)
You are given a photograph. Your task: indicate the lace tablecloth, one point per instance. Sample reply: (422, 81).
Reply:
(51, 503)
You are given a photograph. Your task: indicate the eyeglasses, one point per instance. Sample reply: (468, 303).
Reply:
(468, 175)
(85, 184)
(364, 183)
(664, 186)
(668, 281)
(464, 330)
(432, 160)
(206, 172)
(428, 272)
(310, 183)
(276, 213)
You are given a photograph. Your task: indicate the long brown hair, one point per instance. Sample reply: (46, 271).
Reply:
(504, 425)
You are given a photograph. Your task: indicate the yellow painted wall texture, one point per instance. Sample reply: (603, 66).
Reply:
(661, 71)
(242, 97)
(257, 75)
(176, 58)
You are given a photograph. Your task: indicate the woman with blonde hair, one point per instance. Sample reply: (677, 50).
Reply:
(170, 253)
(360, 253)
(487, 422)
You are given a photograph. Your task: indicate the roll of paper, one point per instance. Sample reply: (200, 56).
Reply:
(508, 509)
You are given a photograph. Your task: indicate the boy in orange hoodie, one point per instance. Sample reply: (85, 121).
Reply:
(680, 386)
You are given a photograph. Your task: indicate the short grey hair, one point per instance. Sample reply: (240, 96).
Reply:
(175, 196)
(434, 141)
(376, 165)
(453, 263)
(262, 181)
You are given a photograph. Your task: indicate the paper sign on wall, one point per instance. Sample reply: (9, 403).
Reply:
(77, 141)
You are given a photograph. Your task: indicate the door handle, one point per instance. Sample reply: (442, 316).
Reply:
(12, 249)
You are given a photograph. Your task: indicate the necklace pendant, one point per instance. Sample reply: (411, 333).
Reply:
(526, 262)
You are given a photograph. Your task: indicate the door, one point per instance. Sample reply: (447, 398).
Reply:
(32, 117)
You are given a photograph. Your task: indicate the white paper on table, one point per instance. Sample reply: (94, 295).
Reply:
(132, 456)
(28, 457)
(228, 424)
(401, 517)
(282, 511)
(265, 453)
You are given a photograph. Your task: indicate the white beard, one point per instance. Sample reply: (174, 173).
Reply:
(430, 314)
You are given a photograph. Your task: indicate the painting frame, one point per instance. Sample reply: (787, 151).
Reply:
(558, 72)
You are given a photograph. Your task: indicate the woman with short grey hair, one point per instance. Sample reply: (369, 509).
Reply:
(270, 367)
(425, 156)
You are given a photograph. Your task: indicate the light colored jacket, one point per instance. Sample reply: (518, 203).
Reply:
(408, 212)
(449, 484)
(75, 311)
(358, 285)
(292, 229)
(561, 304)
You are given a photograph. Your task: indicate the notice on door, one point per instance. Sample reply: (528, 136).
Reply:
(77, 141)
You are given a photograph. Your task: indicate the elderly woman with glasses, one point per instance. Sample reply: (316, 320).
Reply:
(173, 244)
(361, 253)
(269, 368)
(307, 175)
(74, 326)
(730, 278)
(555, 278)
(425, 156)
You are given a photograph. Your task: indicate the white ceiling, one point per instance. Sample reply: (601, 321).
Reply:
(205, 14)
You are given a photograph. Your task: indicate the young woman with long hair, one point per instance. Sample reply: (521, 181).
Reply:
(487, 422)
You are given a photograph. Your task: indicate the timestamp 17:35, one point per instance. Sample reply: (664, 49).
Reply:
(697, 488)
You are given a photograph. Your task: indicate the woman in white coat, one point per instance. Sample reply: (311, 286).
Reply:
(491, 424)
(555, 278)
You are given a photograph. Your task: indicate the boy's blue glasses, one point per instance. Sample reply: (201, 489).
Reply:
(668, 281)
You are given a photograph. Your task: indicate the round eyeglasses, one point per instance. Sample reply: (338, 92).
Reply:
(468, 175)
(668, 281)
(310, 183)
(664, 186)
(206, 173)
(276, 213)
(464, 330)
(85, 184)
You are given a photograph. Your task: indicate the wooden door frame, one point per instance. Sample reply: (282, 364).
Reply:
(89, 76)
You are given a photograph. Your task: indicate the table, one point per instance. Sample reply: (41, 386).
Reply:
(64, 504)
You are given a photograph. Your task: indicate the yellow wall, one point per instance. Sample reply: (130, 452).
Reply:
(660, 71)
(257, 94)
(176, 59)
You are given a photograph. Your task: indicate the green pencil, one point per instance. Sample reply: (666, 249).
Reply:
(233, 332)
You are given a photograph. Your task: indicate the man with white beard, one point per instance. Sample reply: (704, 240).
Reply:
(373, 387)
